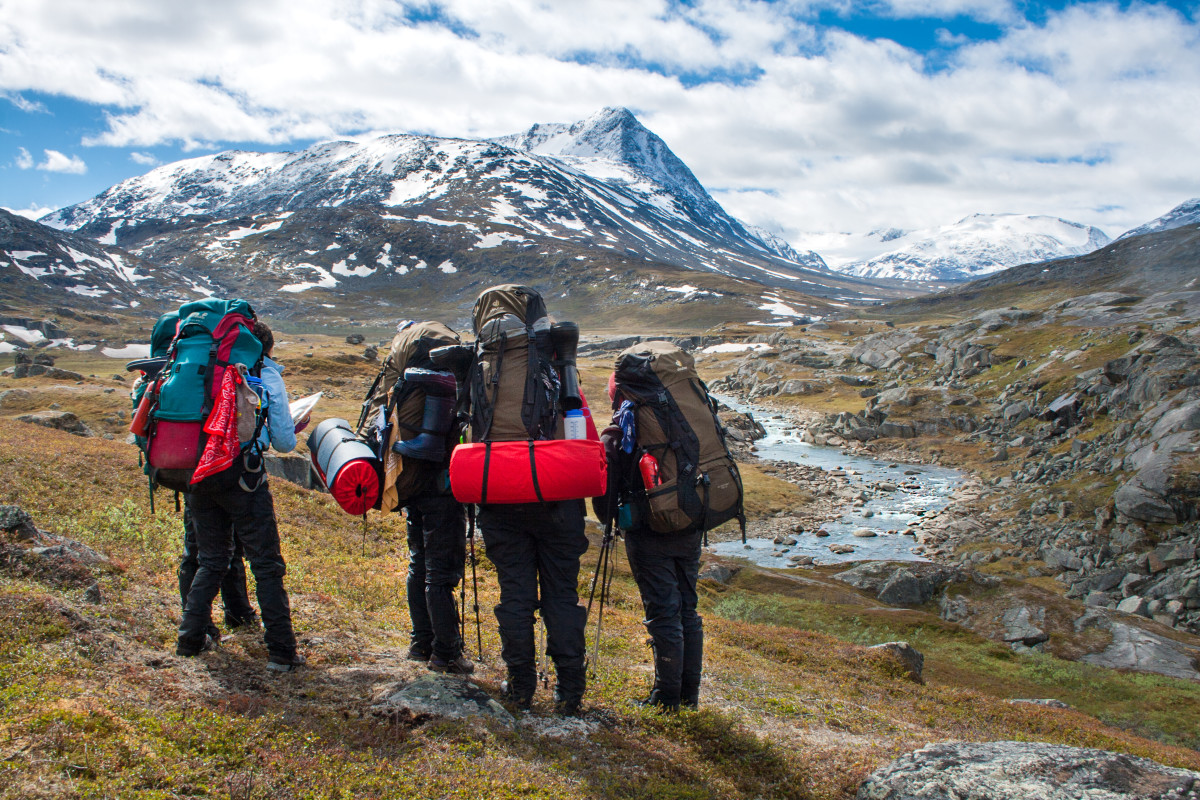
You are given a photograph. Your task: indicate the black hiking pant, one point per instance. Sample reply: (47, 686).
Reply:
(665, 567)
(219, 505)
(437, 548)
(536, 549)
(234, 596)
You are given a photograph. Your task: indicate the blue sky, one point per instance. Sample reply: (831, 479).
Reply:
(817, 120)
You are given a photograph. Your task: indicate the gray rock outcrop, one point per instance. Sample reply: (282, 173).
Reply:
(1026, 770)
(442, 696)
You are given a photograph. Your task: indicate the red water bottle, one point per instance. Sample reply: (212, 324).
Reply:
(141, 418)
(648, 464)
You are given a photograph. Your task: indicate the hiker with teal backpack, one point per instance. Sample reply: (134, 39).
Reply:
(211, 405)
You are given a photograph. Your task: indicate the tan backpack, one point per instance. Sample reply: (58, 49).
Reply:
(393, 409)
(699, 485)
(514, 387)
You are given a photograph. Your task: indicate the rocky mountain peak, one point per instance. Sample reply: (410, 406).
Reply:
(615, 136)
(1187, 213)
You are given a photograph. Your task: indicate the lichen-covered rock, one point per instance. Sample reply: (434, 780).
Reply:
(445, 696)
(1026, 770)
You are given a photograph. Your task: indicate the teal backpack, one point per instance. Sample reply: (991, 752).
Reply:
(190, 349)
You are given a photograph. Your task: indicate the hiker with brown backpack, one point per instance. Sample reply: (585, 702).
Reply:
(671, 480)
(409, 419)
(529, 480)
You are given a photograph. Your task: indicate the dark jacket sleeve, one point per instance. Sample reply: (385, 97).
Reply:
(605, 506)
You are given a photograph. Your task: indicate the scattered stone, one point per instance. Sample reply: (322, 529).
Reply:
(371, 353)
(1021, 626)
(16, 520)
(1031, 770)
(59, 420)
(14, 397)
(841, 549)
(718, 572)
(910, 657)
(1048, 702)
(439, 696)
(92, 594)
(864, 533)
(355, 338)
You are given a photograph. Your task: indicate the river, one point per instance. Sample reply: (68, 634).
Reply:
(920, 490)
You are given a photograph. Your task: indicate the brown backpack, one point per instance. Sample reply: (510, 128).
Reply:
(393, 409)
(676, 422)
(514, 387)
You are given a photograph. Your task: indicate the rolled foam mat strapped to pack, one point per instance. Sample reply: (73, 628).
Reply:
(349, 468)
(528, 472)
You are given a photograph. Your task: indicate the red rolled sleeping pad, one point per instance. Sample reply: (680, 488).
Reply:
(349, 469)
(529, 471)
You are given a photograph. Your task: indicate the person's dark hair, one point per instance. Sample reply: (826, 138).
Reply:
(262, 332)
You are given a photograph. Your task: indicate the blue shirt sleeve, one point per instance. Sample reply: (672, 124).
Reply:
(280, 430)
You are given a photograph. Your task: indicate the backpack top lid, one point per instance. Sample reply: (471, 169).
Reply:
(164, 333)
(508, 298)
(643, 367)
(207, 312)
(410, 347)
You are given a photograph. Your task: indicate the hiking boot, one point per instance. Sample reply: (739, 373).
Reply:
(418, 652)
(568, 690)
(659, 701)
(286, 663)
(188, 651)
(521, 698)
(567, 707)
(246, 625)
(454, 666)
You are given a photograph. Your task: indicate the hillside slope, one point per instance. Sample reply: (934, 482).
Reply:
(793, 704)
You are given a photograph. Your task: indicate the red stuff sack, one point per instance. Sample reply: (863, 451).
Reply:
(544, 471)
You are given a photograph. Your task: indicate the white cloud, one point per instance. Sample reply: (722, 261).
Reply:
(145, 159)
(23, 159)
(59, 162)
(33, 212)
(22, 103)
(1089, 115)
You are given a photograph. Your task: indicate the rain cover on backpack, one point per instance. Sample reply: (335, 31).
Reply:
(699, 483)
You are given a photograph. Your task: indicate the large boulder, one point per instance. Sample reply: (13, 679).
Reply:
(1027, 770)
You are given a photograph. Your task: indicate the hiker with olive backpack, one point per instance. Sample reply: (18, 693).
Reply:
(533, 457)
(671, 480)
(409, 419)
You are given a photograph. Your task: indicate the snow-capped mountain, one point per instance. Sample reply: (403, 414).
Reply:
(604, 183)
(978, 245)
(40, 263)
(1183, 214)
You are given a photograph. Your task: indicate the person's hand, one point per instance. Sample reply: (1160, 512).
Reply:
(303, 423)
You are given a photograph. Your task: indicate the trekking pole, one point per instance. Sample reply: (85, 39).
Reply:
(364, 536)
(605, 584)
(601, 577)
(542, 644)
(474, 584)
